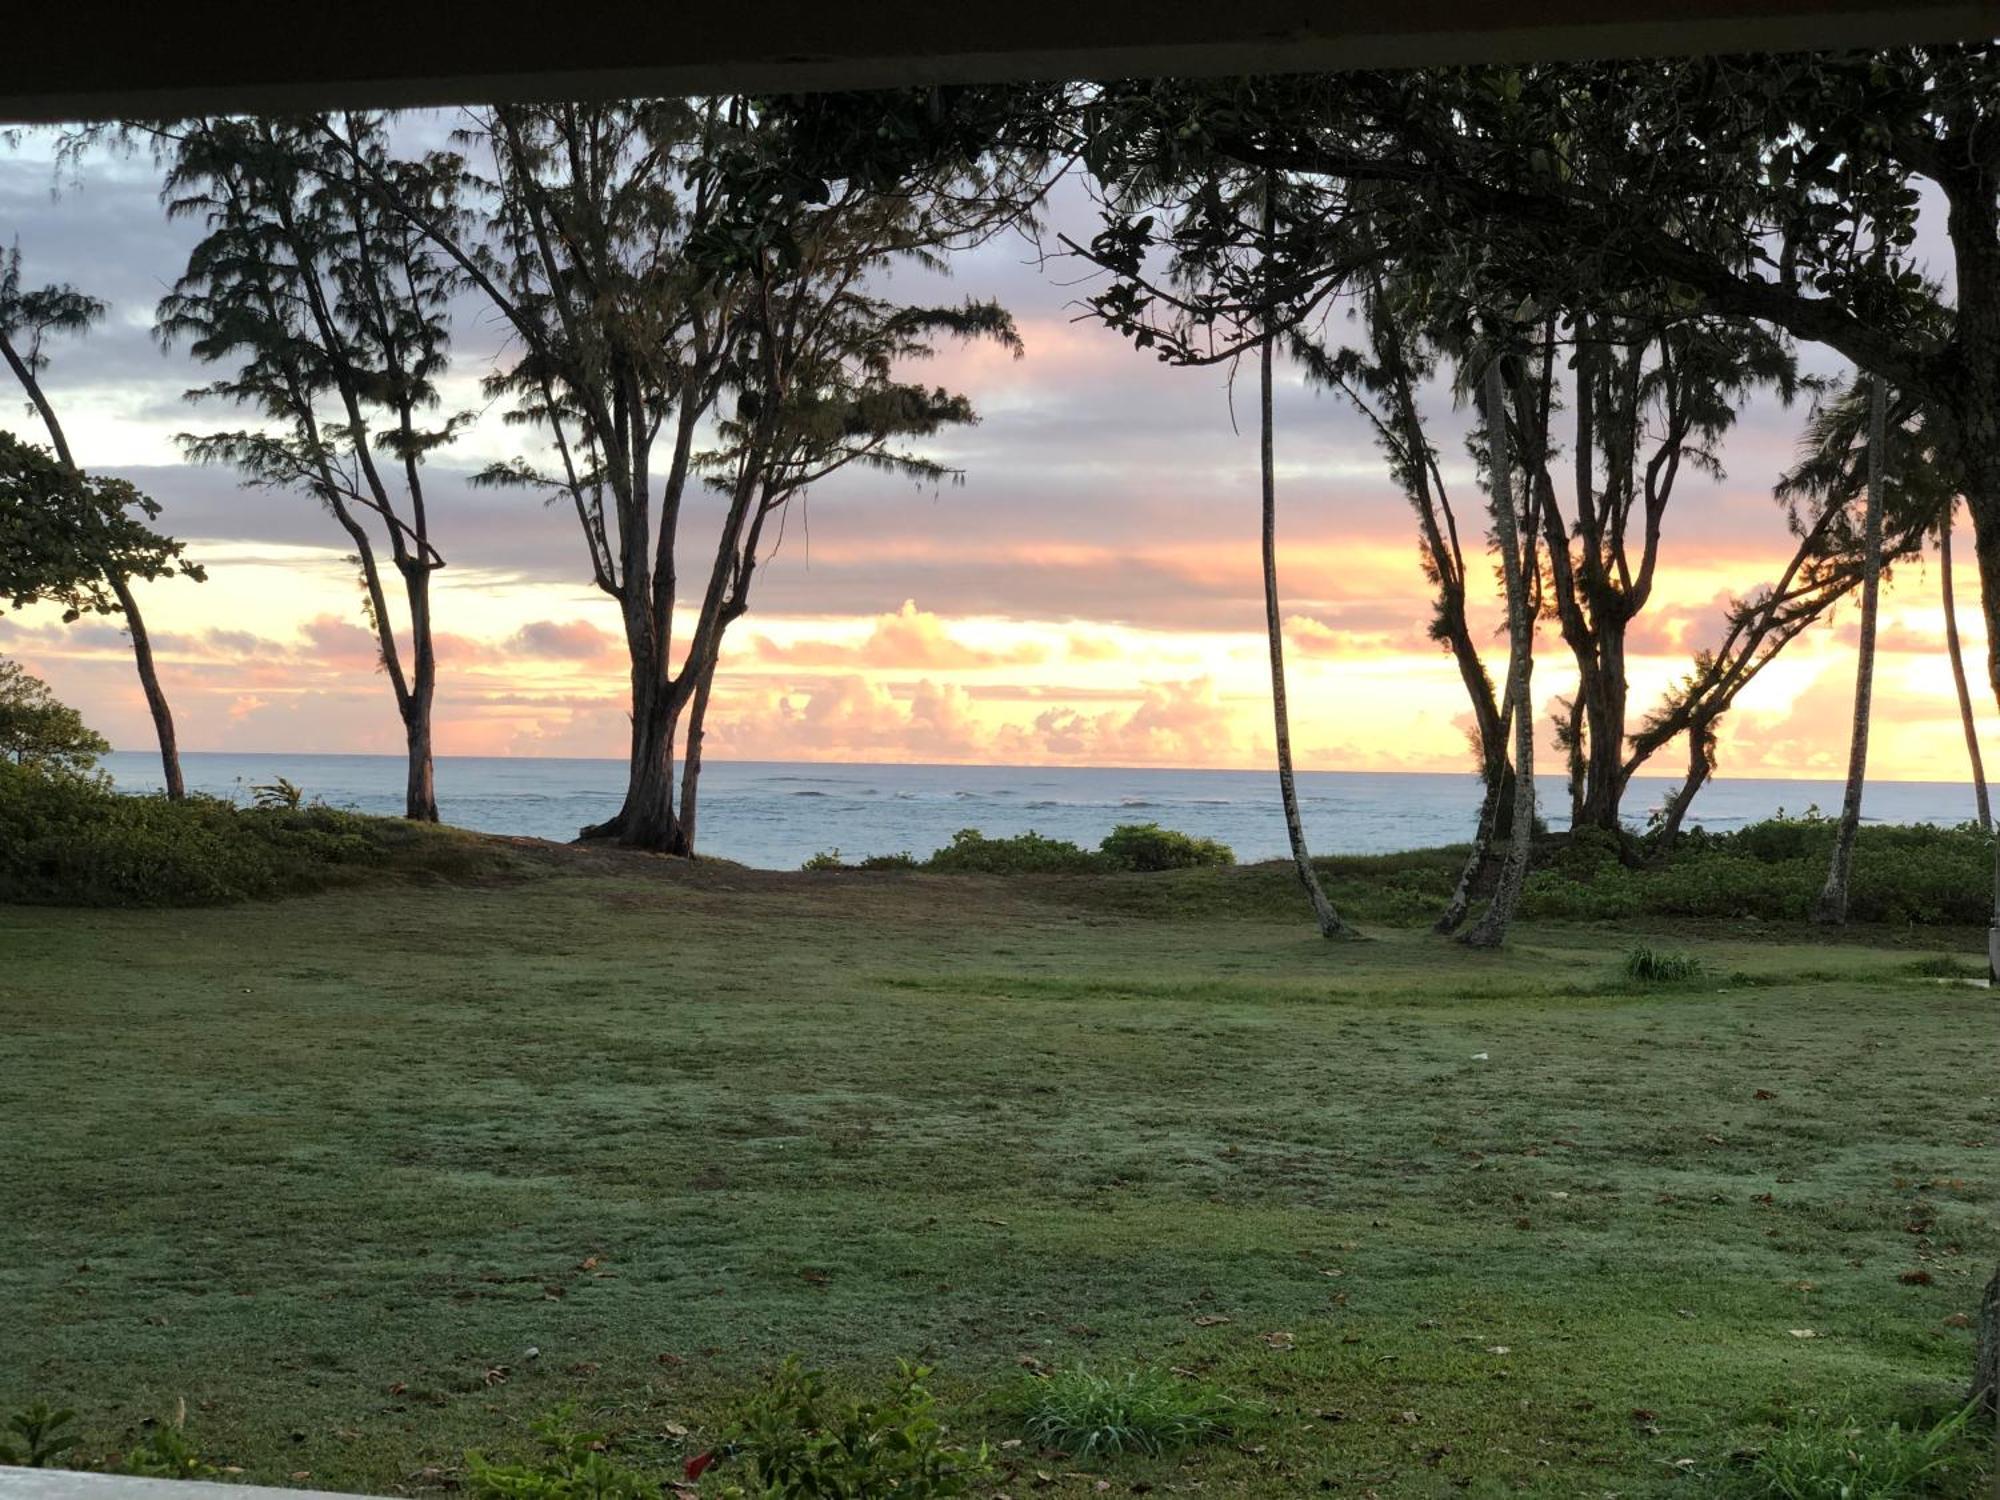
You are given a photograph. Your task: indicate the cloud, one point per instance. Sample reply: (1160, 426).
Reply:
(910, 639)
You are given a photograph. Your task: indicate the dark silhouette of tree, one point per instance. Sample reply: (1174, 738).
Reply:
(334, 312)
(69, 530)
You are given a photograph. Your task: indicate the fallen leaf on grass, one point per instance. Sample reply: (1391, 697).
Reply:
(1917, 1278)
(1278, 1340)
(1803, 1333)
(1210, 1320)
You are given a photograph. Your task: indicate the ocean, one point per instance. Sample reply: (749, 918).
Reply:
(774, 814)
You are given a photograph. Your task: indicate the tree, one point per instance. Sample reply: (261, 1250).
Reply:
(1831, 907)
(72, 530)
(1957, 655)
(647, 311)
(1513, 535)
(1330, 923)
(41, 733)
(335, 311)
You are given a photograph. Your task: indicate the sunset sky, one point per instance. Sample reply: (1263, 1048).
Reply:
(1089, 594)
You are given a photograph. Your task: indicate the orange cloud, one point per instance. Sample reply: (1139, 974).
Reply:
(910, 639)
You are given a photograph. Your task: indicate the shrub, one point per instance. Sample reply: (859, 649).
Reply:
(797, 1439)
(1142, 1411)
(902, 861)
(1645, 965)
(68, 841)
(1148, 846)
(37, 1436)
(826, 859)
(572, 1464)
(1852, 1461)
(971, 852)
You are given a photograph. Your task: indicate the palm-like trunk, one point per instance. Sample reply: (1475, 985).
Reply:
(1958, 681)
(1491, 928)
(1330, 923)
(1831, 907)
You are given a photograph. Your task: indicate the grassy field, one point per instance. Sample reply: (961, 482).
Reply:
(330, 1169)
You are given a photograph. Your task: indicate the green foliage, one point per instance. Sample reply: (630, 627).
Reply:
(1645, 965)
(1148, 846)
(40, 732)
(65, 841)
(971, 852)
(281, 793)
(801, 1441)
(165, 1451)
(1849, 1460)
(62, 533)
(1090, 1415)
(572, 1464)
(38, 1435)
(826, 859)
(902, 861)
(1903, 874)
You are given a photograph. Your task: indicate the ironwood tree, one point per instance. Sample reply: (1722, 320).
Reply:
(76, 539)
(335, 314)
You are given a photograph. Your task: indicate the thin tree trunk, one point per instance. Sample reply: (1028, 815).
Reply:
(1491, 802)
(420, 799)
(1831, 908)
(691, 764)
(1701, 765)
(1331, 926)
(1958, 671)
(1491, 928)
(149, 679)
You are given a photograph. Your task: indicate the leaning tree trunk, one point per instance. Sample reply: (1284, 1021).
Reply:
(1831, 908)
(1958, 681)
(149, 679)
(1499, 786)
(1331, 925)
(1701, 765)
(1491, 928)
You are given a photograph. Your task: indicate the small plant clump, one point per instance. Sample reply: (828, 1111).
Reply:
(1090, 1415)
(797, 1437)
(572, 1463)
(1848, 1460)
(1644, 965)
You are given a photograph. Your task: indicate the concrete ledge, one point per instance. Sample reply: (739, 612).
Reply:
(70, 1484)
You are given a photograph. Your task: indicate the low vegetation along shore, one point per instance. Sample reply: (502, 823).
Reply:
(1157, 1190)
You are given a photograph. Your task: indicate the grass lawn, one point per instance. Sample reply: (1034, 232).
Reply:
(1455, 1223)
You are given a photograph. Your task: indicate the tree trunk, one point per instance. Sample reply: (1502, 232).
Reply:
(647, 820)
(1831, 908)
(691, 764)
(420, 797)
(1986, 1367)
(1331, 926)
(1604, 729)
(1701, 765)
(1493, 802)
(1958, 681)
(1491, 928)
(156, 696)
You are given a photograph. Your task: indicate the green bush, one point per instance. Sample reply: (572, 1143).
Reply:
(971, 852)
(571, 1464)
(1090, 1415)
(902, 861)
(68, 841)
(1918, 874)
(1148, 846)
(796, 1440)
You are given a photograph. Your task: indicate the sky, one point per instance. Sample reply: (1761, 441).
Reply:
(1089, 594)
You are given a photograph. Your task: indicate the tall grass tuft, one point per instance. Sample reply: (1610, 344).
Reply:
(1645, 965)
(1088, 1415)
(1849, 1461)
